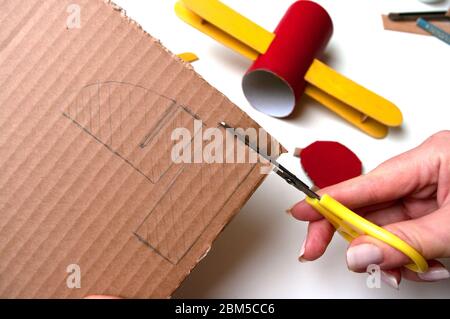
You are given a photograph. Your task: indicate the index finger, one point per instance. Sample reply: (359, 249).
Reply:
(394, 179)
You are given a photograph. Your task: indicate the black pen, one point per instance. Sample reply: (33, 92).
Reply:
(413, 16)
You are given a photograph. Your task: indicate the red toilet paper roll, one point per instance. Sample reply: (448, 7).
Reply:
(275, 81)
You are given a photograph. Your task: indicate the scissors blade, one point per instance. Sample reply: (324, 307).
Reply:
(251, 145)
(278, 168)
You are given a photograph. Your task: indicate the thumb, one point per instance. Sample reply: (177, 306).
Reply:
(429, 235)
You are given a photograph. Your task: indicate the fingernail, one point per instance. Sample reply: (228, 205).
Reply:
(289, 210)
(389, 280)
(361, 256)
(302, 252)
(434, 274)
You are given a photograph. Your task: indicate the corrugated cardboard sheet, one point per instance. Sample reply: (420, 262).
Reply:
(86, 115)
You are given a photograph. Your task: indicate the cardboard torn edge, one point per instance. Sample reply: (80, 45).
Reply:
(133, 22)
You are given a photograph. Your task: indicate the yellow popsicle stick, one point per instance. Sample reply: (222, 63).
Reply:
(188, 57)
(214, 32)
(369, 125)
(232, 23)
(353, 94)
(350, 225)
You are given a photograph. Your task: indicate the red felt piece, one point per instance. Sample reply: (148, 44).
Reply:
(329, 163)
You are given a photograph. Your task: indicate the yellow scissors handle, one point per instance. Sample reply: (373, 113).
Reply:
(350, 225)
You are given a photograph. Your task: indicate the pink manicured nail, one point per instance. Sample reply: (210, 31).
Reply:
(361, 256)
(298, 207)
(389, 280)
(288, 211)
(302, 252)
(435, 273)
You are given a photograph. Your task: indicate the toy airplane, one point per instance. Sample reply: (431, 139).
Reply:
(285, 64)
(349, 224)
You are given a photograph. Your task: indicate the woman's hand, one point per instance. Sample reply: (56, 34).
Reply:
(408, 195)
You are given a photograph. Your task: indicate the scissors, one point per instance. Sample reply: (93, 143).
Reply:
(347, 223)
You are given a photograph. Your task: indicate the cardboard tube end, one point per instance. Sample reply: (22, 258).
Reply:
(268, 93)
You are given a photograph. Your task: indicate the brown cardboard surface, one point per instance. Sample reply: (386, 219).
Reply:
(86, 176)
(410, 26)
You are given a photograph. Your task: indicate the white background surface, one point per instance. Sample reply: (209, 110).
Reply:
(256, 255)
